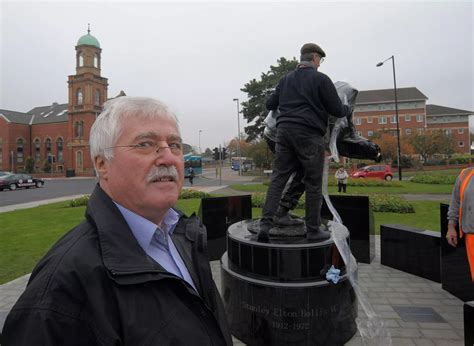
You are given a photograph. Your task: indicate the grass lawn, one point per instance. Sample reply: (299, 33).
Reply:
(407, 188)
(27, 234)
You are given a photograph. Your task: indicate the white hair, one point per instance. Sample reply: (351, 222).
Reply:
(109, 124)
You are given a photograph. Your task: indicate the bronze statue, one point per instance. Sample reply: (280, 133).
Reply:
(349, 145)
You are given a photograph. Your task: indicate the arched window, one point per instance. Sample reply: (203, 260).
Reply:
(79, 97)
(79, 161)
(97, 98)
(37, 149)
(81, 60)
(59, 147)
(96, 60)
(47, 145)
(19, 150)
(79, 128)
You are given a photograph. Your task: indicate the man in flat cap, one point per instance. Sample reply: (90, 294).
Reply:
(305, 98)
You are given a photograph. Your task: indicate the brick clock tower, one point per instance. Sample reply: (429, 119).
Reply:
(87, 94)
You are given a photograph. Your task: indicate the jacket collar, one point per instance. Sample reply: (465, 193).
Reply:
(306, 64)
(121, 252)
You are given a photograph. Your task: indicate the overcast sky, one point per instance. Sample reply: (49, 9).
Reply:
(196, 56)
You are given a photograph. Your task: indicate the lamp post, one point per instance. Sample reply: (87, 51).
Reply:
(396, 114)
(200, 142)
(238, 128)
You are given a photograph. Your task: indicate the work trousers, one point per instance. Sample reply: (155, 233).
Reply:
(297, 150)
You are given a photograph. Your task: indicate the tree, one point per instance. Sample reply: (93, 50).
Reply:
(233, 148)
(260, 153)
(389, 146)
(29, 165)
(254, 110)
(207, 153)
(46, 166)
(427, 144)
(444, 142)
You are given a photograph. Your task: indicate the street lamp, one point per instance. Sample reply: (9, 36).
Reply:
(200, 142)
(238, 144)
(396, 114)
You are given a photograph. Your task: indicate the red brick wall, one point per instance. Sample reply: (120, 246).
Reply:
(10, 133)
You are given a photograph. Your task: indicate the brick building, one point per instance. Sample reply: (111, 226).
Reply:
(58, 133)
(375, 111)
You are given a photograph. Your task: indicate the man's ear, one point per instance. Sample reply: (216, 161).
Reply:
(102, 167)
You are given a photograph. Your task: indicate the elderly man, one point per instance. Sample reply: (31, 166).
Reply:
(136, 271)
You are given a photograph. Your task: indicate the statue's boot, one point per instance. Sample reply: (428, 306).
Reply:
(320, 234)
(351, 145)
(283, 219)
(264, 231)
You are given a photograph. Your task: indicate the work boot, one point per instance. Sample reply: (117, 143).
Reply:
(319, 234)
(264, 231)
(283, 219)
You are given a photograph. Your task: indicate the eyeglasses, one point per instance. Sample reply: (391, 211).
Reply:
(149, 147)
(321, 59)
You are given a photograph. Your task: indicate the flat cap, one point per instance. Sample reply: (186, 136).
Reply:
(312, 48)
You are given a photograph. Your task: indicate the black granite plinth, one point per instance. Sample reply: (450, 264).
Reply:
(455, 272)
(357, 216)
(276, 293)
(411, 250)
(469, 323)
(217, 213)
(3, 317)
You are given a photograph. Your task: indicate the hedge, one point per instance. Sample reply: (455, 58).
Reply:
(434, 179)
(379, 203)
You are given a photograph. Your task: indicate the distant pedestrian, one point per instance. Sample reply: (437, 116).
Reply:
(191, 175)
(461, 213)
(341, 176)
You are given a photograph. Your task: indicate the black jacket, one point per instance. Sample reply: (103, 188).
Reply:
(96, 286)
(305, 98)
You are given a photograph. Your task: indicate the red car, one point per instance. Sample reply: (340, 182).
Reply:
(374, 171)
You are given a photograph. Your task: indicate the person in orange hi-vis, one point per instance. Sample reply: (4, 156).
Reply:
(461, 210)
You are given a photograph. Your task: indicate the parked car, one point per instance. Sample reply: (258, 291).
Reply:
(374, 171)
(2, 173)
(14, 181)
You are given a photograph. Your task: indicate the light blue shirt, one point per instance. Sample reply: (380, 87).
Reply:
(156, 241)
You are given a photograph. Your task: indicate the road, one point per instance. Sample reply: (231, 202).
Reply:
(62, 187)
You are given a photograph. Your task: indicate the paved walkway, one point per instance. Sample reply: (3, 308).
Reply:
(385, 288)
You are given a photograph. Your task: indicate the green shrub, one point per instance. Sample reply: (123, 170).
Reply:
(434, 179)
(29, 165)
(79, 202)
(190, 193)
(390, 204)
(258, 199)
(379, 203)
(46, 166)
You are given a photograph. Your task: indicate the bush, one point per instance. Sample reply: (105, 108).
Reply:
(29, 165)
(189, 193)
(379, 203)
(434, 179)
(390, 204)
(79, 202)
(46, 166)
(258, 199)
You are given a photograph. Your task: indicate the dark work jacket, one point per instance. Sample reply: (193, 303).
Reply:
(305, 98)
(97, 286)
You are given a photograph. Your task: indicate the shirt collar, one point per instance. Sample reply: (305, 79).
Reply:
(143, 229)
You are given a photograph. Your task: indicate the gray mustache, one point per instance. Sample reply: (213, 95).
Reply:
(160, 172)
